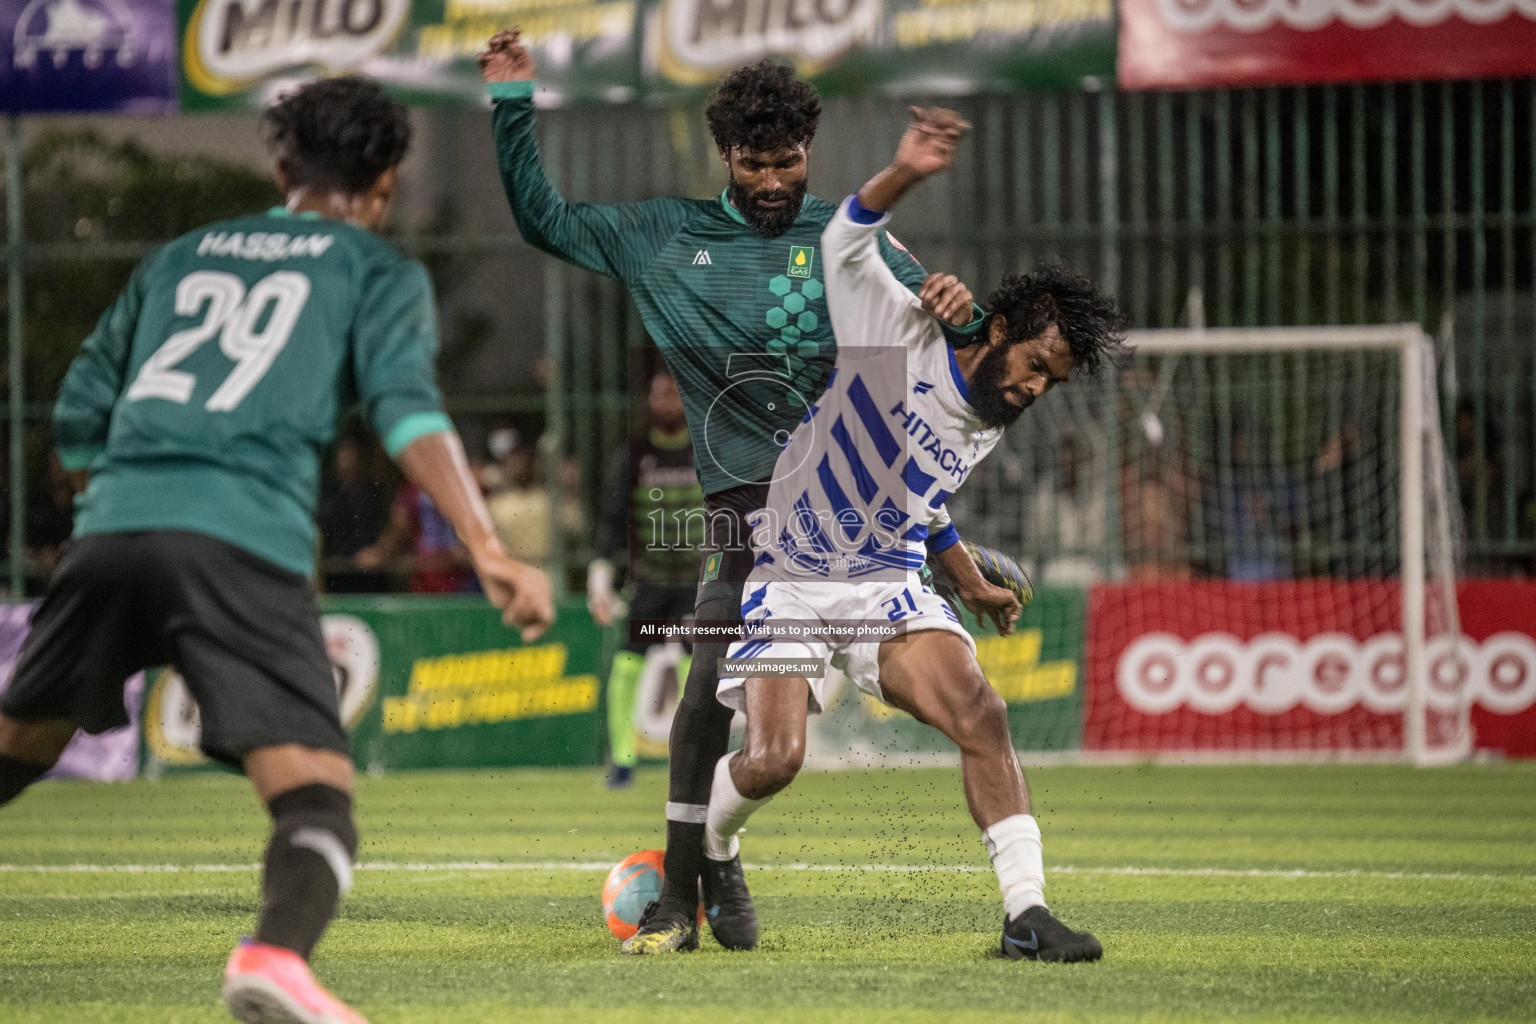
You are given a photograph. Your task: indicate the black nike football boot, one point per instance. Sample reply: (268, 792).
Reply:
(1036, 935)
(727, 904)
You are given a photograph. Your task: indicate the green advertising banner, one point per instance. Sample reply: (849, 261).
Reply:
(894, 47)
(438, 682)
(1037, 670)
(243, 53)
(435, 683)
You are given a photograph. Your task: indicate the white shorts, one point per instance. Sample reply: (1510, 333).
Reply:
(909, 606)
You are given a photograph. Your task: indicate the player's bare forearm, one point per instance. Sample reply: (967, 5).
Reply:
(436, 463)
(506, 59)
(926, 148)
(956, 562)
(982, 598)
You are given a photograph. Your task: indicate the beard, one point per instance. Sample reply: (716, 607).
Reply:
(987, 397)
(768, 221)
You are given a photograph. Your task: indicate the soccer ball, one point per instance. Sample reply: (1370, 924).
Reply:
(633, 882)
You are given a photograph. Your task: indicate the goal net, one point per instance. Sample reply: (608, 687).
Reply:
(1262, 526)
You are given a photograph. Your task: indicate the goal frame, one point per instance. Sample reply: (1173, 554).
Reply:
(1418, 412)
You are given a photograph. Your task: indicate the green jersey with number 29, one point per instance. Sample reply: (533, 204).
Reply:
(207, 393)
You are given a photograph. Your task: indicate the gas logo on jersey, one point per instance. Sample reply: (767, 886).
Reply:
(801, 259)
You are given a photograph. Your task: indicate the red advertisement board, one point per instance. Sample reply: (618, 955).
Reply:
(1491, 608)
(1298, 666)
(1182, 44)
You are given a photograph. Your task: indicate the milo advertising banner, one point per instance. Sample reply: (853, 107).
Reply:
(434, 683)
(1036, 670)
(243, 53)
(900, 47)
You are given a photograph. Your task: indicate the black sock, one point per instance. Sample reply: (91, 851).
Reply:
(16, 776)
(701, 732)
(684, 860)
(308, 866)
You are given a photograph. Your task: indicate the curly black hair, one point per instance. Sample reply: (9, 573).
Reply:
(339, 133)
(761, 107)
(1089, 321)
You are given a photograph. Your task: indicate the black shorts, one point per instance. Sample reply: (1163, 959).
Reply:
(243, 632)
(658, 602)
(729, 535)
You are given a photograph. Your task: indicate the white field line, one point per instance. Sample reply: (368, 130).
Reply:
(509, 866)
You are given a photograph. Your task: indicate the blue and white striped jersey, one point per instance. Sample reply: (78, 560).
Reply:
(861, 485)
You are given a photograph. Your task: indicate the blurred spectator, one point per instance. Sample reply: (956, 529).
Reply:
(1070, 519)
(1349, 515)
(520, 504)
(1480, 485)
(1155, 500)
(653, 513)
(439, 563)
(351, 512)
(1253, 503)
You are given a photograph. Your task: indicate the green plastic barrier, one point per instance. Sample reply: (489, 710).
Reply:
(435, 682)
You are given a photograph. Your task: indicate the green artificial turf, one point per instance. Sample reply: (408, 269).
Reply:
(1339, 893)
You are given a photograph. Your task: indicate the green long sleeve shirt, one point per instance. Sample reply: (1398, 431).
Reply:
(741, 319)
(207, 393)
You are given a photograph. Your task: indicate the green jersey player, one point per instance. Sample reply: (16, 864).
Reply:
(198, 411)
(732, 291)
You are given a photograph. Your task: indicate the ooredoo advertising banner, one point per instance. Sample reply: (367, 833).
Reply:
(1310, 665)
(1502, 614)
(88, 55)
(1183, 44)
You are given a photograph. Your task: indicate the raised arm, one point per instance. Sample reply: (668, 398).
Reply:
(861, 277)
(926, 148)
(943, 296)
(618, 240)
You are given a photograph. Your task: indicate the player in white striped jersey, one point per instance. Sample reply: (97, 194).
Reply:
(860, 487)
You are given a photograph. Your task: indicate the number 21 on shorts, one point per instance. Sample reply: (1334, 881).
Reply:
(897, 608)
(232, 313)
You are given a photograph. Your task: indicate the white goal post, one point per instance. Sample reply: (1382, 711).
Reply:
(1423, 482)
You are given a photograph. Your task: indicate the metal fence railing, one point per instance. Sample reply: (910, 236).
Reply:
(1335, 204)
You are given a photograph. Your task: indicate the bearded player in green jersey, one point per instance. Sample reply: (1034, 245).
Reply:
(194, 539)
(731, 290)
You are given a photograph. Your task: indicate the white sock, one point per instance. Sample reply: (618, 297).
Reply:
(1014, 846)
(728, 811)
